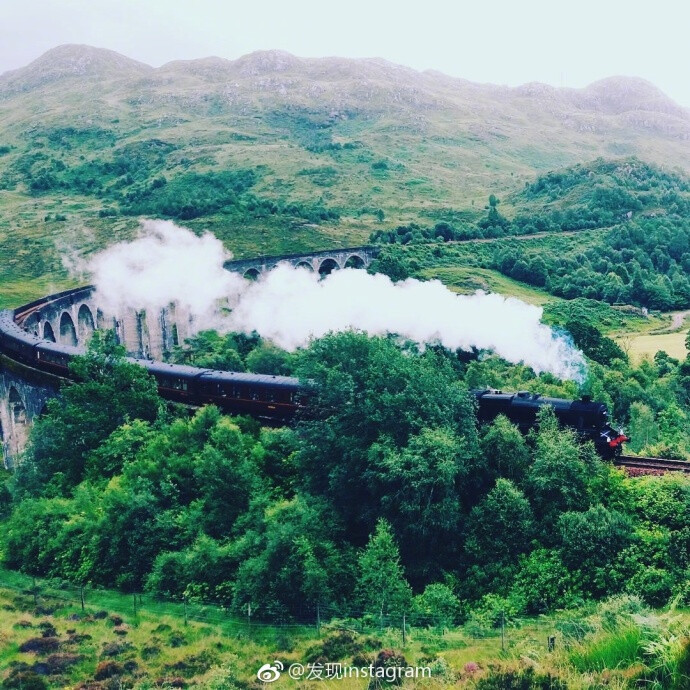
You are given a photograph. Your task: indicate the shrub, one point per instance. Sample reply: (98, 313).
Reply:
(194, 664)
(654, 585)
(621, 607)
(150, 652)
(108, 669)
(26, 680)
(391, 661)
(57, 663)
(343, 643)
(115, 648)
(519, 679)
(40, 645)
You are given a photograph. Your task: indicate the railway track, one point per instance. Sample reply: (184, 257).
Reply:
(656, 464)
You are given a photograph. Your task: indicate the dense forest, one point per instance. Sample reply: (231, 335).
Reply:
(383, 498)
(639, 255)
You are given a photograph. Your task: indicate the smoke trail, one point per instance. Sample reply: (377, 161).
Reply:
(165, 264)
(290, 306)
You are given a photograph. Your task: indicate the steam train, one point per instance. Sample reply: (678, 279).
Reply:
(588, 418)
(272, 398)
(277, 398)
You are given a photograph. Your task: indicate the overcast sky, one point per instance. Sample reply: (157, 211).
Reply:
(511, 42)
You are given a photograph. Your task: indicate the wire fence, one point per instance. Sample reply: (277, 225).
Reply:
(45, 595)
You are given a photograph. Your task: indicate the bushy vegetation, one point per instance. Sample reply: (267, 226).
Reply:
(384, 499)
(640, 256)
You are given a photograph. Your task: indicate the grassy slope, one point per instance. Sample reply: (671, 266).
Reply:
(153, 645)
(162, 646)
(353, 136)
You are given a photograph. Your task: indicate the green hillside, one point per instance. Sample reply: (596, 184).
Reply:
(276, 153)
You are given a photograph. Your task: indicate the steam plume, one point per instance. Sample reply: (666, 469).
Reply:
(164, 264)
(290, 306)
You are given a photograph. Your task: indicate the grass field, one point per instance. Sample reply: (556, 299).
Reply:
(466, 280)
(647, 345)
(117, 641)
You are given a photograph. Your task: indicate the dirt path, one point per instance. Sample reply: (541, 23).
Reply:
(677, 319)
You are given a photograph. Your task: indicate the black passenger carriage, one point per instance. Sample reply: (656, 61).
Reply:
(19, 344)
(55, 357)
(273, 397)
(268, 397)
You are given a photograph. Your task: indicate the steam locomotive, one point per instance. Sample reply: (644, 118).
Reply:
(276, 399)
(588, 418)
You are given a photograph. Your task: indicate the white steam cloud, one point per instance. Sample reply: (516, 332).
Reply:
(165, 264)
(290, 306)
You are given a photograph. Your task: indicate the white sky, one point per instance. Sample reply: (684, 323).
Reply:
(564, 43)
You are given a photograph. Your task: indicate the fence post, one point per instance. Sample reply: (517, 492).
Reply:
(503, 631)
(184, 604)
(81, 597)
(318, 619)
(403, 630)
(134, 600)
(35, 591)
(552, 642)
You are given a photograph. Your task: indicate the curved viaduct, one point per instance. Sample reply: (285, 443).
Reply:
(320, 262)
(70, 317)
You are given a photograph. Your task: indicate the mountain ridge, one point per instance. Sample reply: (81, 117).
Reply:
(79, 60)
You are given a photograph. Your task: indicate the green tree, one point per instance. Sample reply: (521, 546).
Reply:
(369, 394)
(436, 605)
(212, 350)
(419, 486)
(557, 479)
(269, 359)
(642, 428)
(595, 345)
(227, 477)
(382, 588)
(290, 558)
(122, 446)
(590, 543)
(505, 450)
(26, 536)
(108, 391)
(499, 529)
(202, 570)
(500, 526)
(543, 582)
(391, 262)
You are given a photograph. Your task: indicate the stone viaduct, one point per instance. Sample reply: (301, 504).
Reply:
(70, 317)
(320, 262)
(22, 398)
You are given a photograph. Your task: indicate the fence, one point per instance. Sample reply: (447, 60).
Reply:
(398, 629)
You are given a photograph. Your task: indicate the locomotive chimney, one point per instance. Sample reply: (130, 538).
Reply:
(586, 398)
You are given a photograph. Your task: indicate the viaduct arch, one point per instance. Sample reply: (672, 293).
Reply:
(71, 317)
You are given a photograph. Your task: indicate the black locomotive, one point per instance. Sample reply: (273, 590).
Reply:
(588, 418)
